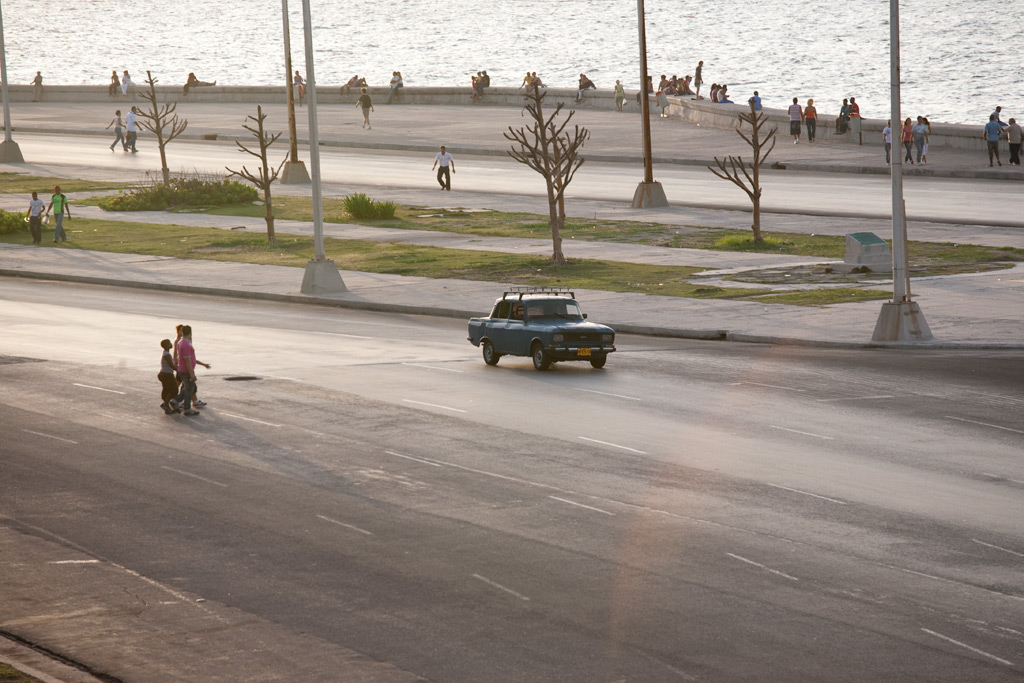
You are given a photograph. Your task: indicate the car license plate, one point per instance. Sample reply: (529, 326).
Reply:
(583, 352)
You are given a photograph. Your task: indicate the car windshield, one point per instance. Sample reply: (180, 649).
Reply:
(554, 308)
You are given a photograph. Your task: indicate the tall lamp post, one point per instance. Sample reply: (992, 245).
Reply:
(649, 193)
(322, 276)
(900, 319)
(294, 172)
(10, 153)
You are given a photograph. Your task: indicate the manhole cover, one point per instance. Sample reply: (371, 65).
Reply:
(242, 378)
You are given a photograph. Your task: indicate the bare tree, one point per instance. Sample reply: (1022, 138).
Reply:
(554, 153)
(158, 119)
(265, 175)
(736, 166)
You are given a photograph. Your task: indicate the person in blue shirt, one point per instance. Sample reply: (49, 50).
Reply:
(992, 133)
(756, 99)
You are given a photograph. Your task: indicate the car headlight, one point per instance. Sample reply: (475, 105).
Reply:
(558, 338)
(607, 338)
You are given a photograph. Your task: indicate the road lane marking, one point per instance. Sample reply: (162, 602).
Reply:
(249, 419)
(985, 424)
(770, 386)
(1005, 550)
(347, 526)
(614, 445)
(807, 493)
(767, 569)
(341, 334)
(432, 367)
(194, 476)
(409, 457)
(604, 512)
(854, 398)
(50, 436)
(500, 587)
(434, 405)
(73, 562)
(968, 647)
(1001, 478)
(797, 431)
(89, 386)
(605, 393)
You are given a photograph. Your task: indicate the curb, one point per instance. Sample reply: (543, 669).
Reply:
(440, 312)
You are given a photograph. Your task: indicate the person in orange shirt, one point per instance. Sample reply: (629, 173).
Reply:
(811, 119)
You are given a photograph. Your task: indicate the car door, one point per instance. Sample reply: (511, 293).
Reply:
(495, 325)
(515, 339)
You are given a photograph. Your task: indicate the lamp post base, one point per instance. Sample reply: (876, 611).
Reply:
(322, 277)
(901, 321)
(294, 173)
(649, 196)
(10, 153)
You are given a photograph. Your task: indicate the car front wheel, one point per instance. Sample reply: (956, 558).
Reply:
(490, 355)
(541, 361)
(598, 361)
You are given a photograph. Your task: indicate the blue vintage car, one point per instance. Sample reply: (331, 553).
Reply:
(545, 323)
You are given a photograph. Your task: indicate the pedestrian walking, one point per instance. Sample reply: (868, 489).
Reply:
(168, 382)
(907, 138)
(366, 103)
(59, 204)
(620, 95)
(698, 78)
(187, 372)
(887, 141)
(991, 135)
(299, 85)
(115, 84)
(37, 87)
(34, 215)
(920, 133)
(1013, 134)
(796, 117)
(927, 134)
(811, 120)
(132, 128)
(118, 125)
(447, 163)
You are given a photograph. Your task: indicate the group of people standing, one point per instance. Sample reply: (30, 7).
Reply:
(39, 213)
(178, 374)
(996, 129)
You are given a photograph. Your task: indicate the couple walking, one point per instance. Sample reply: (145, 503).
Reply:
(180, 367)
(126, 131)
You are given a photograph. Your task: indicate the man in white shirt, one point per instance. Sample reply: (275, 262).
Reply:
(132, 128)
(887, 140)
(35, 218)
(447, 162)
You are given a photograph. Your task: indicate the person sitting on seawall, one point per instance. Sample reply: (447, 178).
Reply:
(684, 85)
(714, 92)
(723, 95)
(194, 82)
(351, 83)
(585, 84)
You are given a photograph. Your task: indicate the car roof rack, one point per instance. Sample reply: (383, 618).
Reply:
(517, 291)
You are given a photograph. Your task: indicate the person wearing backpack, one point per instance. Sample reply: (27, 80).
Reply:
(59, 204)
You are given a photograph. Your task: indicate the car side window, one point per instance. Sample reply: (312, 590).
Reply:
(501, 309)
(517, 310)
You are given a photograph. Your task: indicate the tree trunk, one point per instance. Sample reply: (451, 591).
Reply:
(271, 238)
(163, 160)
(756, 227)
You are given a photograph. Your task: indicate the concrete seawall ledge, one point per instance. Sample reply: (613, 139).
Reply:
(700, 112)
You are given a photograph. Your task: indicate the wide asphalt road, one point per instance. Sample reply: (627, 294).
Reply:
(975, 202)
(694, 511)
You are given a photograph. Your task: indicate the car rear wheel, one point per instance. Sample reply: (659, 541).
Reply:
(598, 361)
(541, 361)
(490, 355)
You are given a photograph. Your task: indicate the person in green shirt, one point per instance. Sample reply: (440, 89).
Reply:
(59, 204)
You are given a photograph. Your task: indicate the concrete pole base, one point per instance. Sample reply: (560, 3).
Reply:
(10, 153)
(322, 277)
(901, 321)
(294, 173)
(649, 196)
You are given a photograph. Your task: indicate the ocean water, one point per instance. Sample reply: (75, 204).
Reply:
(960, 58)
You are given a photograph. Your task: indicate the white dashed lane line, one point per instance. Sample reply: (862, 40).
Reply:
(797, 431)
(581, 505)
(414, 459)
(769, 386)
(614, 445)
(985, 424)
(434, 405)
(194, 476)
(807, 493)
(605, 393)
(50, 436)
(431, 367)
(855, 398)
(761, 566)
(996, 547)
(968, 647)
(347, 526)
(500, 587)
(73, 562)
(89, 386)
(249, 419)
